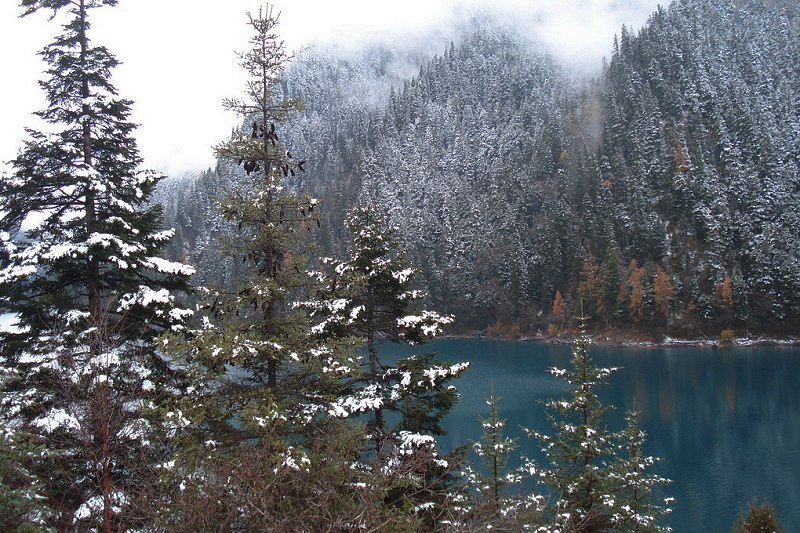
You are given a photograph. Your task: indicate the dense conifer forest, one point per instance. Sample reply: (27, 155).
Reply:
(659, 193)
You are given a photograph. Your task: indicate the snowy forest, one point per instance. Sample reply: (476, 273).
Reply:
(206, 353)
(660, 193)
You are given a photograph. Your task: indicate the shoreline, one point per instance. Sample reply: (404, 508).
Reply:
(602, 339)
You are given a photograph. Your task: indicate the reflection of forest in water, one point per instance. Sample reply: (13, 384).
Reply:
(727, 424)
(725, 421)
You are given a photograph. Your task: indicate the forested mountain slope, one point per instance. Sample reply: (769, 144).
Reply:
(464, 160)
(660, 194)
(701, 151)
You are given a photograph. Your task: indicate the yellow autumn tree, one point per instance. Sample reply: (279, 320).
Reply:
(559, 308)
(635, 291)
(663, 292)
(723, 293)
(723, 298)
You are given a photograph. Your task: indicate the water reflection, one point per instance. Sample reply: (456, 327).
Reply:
(726, 421)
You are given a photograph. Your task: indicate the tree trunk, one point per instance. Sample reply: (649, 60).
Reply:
(374, 370)
(105, 459)
(93, 286)
(92, 267)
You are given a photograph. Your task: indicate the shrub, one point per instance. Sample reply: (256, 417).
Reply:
(760, 519)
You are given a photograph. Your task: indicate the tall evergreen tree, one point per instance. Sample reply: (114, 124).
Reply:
(633, 484)
(370, 296)
(82, 275)
(485, 502)
(259, 378)
(271, 221)
(597, 478)
(494, 449)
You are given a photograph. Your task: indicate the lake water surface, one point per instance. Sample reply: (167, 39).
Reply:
(724, 421)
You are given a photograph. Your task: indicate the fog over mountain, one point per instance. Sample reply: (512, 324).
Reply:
(178, 58)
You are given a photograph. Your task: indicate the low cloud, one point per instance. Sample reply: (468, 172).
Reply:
(577, 32)
(179, 56)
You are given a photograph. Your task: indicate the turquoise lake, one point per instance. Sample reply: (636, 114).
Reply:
(724, 421)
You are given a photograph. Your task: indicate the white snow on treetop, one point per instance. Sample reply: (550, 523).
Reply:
(56, 419)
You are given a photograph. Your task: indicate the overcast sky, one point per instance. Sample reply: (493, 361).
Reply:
(179, 55)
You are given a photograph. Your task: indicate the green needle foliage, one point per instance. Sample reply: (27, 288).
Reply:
(597, 479)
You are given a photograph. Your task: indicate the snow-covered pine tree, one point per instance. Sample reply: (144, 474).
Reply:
(82, 276)
(633, 484)
(577, 475)
(494, 505)
(259, 376)
(271, 221)
(494, 450)
(370, 296)
(483, 502)
(596, 478)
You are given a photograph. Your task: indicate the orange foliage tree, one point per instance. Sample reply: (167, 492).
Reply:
(663, 292)
(635, 291)
(559, 308)
(589, 288)
(723, 297)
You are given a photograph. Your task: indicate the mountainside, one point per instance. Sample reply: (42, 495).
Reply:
(463, 161)
(659, 195)
(701, 150)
